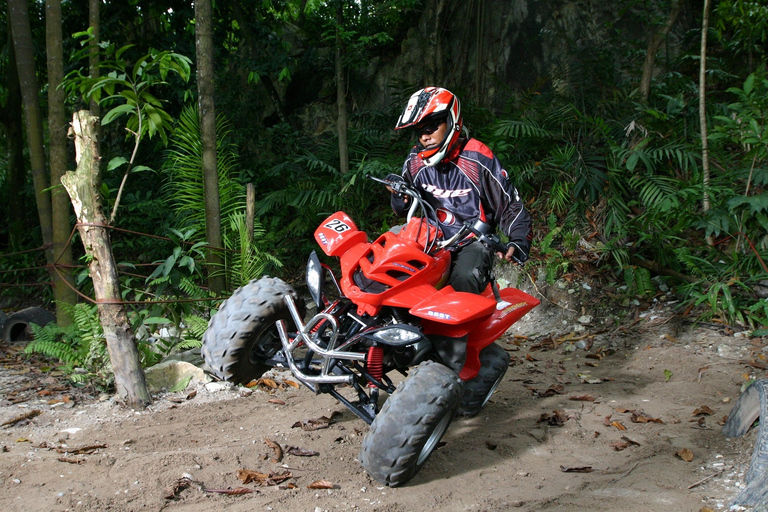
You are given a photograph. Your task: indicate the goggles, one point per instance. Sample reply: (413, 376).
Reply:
(429, 129)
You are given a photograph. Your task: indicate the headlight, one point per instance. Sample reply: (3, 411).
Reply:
(397, 336)
(315, 274)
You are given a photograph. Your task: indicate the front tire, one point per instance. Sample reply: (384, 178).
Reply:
(494, 362)
(411, 423)
(242, 335)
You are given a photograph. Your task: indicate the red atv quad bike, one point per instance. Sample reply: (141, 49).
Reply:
(392, 299)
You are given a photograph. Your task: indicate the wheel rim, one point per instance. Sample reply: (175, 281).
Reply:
(266, 344)
(493, 388)
(434, 438)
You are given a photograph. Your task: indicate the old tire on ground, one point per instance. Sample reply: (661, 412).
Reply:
(751, 406)
(411, 423)
(242, 335)
(494, 362)
(17, 325)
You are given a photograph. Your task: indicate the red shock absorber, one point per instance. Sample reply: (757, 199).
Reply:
(374, 363)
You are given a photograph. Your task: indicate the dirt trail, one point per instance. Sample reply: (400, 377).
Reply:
(534, 447)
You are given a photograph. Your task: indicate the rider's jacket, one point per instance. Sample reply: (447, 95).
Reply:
(471, 183)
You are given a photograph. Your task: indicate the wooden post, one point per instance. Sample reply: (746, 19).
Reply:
(250, 209)
(83, 188)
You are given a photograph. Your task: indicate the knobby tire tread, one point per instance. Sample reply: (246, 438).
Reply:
(391, 449)
(241, 322)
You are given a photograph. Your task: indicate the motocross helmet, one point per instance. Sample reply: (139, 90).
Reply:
(433, 104)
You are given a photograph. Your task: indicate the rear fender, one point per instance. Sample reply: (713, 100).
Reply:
(514, 304)
(338, 233)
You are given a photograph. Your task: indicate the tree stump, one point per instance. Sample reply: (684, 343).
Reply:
(83, 187)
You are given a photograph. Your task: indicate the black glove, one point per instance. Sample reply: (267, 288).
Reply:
(521, 250)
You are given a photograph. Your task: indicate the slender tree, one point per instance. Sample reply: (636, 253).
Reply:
(654, 44)
(94, 23)
(13, 120)
(63, 281)
(205, 87)
(703, 108)
(25, 64)
(341, 92)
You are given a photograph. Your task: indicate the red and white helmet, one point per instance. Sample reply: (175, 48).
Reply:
(431, 104)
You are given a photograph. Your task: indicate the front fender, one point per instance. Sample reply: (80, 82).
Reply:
(514, 304)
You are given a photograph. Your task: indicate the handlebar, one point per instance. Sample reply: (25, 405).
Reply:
(481, 230)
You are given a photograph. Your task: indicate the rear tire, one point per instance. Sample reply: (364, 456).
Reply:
(494, 362)
(242, 335)
(411, 423)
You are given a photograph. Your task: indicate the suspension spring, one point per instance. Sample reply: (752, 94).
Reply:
(374, 363)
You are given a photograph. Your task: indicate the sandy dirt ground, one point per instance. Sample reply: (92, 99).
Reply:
(603, 417)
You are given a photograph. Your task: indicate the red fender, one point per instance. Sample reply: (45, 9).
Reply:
(514, 304)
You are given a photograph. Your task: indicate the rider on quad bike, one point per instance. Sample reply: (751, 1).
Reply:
(393, 309)
(462, 180)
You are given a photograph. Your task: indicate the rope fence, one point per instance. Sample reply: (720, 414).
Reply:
(59, 268)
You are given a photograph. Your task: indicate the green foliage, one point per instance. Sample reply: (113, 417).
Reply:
(245, 260)
(183, 188)
(307, 186)
(80, 347)
(638, 280)
(554, 263)
(127, 85)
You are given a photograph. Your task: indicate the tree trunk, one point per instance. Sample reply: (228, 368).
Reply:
(437, 44)
(63, 281)
(654, 44)
(25, 63)
(703, 111)
(205, 88)
(83, 186)
(13, 121)
(94, 22)
(341, 94)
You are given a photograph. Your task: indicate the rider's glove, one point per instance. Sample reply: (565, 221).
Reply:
(521, 250)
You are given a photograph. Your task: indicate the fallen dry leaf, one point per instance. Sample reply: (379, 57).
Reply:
(70, 460)
(317, 423)
(276, 447)
(248, 476)
(703, 410)
(292, 384)
(641, 417)
(685, 454)
(276, 401)
(619, 445)
(582, 398)
(628, 440)
(618, 425)
(320, 484)
(557, 419)
(238, 491)
(577, 469)
(300, 452)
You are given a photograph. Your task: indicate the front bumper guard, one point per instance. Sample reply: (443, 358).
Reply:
(304, 336)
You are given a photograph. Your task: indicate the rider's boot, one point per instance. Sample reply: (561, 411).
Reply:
(452, 351)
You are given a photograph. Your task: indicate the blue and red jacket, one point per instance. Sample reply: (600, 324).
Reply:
(469, 184)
